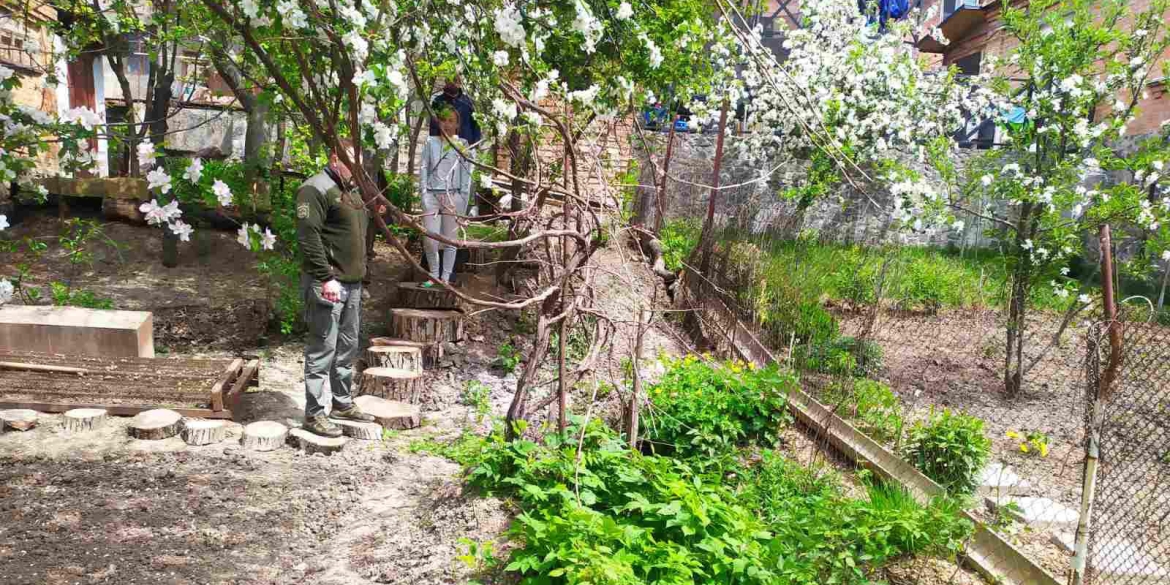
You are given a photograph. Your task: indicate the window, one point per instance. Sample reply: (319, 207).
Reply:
(18, 43)
(970, 64)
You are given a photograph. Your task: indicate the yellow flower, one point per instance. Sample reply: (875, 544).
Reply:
(1043, 450)
(1024, 447)
(1013, 435)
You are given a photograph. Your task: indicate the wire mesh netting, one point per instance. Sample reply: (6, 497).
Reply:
(895, 331)
(1129, 543)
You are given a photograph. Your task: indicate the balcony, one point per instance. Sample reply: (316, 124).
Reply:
(960, 17)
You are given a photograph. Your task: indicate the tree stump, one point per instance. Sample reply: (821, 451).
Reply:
(19, 419)
(426, 325)
(80, 420)
(431, 352)
(198, 431)
(392, 384)
(412, 295)
(391, 415)
(155, 425)
(313, 443)
(399, 357)
(364, 431)
(264, 435)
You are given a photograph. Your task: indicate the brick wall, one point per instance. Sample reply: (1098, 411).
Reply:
(990, 39)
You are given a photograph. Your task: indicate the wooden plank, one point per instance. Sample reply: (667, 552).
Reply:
(251, 370)
(42, 368)
(229, 374)
(77, 331)
(117, 410)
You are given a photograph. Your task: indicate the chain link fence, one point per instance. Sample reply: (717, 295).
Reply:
(889, 330)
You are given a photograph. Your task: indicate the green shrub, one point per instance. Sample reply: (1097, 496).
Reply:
(951, 449)
(871, 406)
(508, 357)
(843, 356)
(679, 238)
(707, 411)
(821, 536)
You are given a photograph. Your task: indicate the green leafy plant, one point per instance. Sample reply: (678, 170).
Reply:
(871, 406)
(478, 396)
(508, 357)
(707, 410)
(679, 237)
(950, 448)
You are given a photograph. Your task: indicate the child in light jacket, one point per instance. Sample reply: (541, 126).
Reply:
(445, 181)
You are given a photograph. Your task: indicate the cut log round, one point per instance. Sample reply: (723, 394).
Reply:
(365, 431)
(391, 384)
(399, 357)
(431, 352)
(19, 419)
(426, 325)
(155, 425)
(197, 431)
(264, 435)
(412, 295)
(314, 443)
(390, 414)
(81, 420)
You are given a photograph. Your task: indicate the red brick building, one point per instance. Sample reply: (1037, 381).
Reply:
(975, 30)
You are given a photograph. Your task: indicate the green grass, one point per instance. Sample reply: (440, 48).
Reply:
(487, 232)
(910, 277)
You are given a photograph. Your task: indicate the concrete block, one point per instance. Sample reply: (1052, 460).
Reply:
(76, 331)
(998, 480)
(1044, 513)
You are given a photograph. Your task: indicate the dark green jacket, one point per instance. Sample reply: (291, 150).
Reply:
(331, 229)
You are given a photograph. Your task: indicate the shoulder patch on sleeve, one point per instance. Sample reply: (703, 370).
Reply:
(302, 210)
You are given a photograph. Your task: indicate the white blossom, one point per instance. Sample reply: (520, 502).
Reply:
(1085, 299)
(485, 181)
(223, 193)
(158, 179)
(500, 58)
(243, 237)
(588, 25)
(585, 96)
(268, 240)
(507, 25)
(986, 180)
(3, 222)
(6, 291)
(146, 154)
(624, 11)
(181, 229)
(193, 171)
(81, 115)
(383, 135)
(249, 7)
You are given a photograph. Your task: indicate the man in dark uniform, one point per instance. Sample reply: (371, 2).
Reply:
(331, 229)
(452, 96)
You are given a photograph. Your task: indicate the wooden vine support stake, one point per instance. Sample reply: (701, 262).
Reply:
(313, 443)
(18, 419)
(81, 420)
(155, 425)
(390, 414)
(431, 352)
(392, 384)
(398, 357)
(199, 431)
(412, 295)
(264, 435)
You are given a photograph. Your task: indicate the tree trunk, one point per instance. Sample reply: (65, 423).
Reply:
(389, 414)
(84, 419)
(396, 357)
(426, 325)
(264, 435)
(154, 425)
(19, 419)
(204, 432)
(312, 443)
(391, 384)
(1017, 307)
(257, 158)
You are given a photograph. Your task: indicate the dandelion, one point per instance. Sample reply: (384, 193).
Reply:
(986, 180)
